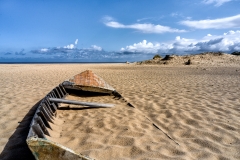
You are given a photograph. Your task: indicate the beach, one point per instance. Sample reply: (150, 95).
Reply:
(181, 111)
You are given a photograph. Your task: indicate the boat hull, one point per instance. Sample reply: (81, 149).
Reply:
(38, 140)
(48, 150)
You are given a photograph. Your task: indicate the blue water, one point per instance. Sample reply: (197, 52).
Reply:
(57, 62)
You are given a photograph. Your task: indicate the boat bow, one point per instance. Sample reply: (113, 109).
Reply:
(88, 81)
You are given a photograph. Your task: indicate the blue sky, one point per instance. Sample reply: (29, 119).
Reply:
(116, 30)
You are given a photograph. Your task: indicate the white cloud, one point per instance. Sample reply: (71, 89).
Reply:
(70, 49)
(107, 19)
(150, 18)
(95, 47)
(71, 46)
(143, 27)
(76, 41)
(142, 19)
(221, 23)
(115, 24)
(143, 46)
(216, 3)
(44, 50)
(227, 42)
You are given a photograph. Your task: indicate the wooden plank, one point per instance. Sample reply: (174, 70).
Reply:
(46, 114)
(57, 93)
(44, 119)
(60, 91)
(37, 129)
(90, 104)
(63, 89)
(39, 120)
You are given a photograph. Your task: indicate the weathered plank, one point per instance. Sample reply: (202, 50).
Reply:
(90, 104)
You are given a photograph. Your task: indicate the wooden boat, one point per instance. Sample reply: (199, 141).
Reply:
(43, 123)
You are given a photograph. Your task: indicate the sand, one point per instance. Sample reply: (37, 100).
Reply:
(181, 112)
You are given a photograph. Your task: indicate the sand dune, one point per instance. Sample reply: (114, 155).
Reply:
(181, 112)
(206, 59)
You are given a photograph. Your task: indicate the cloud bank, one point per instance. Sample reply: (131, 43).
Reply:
(227, 42)
(216, 3)
(71, 52)
(66, 49)
(143, 27)
(221, 23)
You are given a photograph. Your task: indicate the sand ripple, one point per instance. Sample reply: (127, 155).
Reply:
(195, 107)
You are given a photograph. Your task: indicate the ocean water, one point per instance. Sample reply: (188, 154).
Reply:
(58, 62)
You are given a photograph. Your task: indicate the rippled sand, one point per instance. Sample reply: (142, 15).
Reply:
(181, 112)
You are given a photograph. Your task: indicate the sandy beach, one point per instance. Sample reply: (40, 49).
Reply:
(181, 111)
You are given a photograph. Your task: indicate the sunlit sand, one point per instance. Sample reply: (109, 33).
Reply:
(181, 111)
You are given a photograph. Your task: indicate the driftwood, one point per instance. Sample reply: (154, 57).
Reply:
(90, 104)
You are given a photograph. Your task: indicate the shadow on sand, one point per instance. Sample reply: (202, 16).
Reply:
(16, 147)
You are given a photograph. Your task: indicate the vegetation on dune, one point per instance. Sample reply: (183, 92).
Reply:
(157, 56)
(167, 57)
(206, 58)
(237, 53)
(219, 53)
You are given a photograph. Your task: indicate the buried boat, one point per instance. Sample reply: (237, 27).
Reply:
(65, 97)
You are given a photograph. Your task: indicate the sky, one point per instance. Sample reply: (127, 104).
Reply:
(115, 30)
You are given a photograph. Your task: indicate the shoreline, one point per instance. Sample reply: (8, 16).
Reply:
(62, 63)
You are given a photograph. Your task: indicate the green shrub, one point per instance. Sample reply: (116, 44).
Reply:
(167, 57)
(157, 56)
(236, 53)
